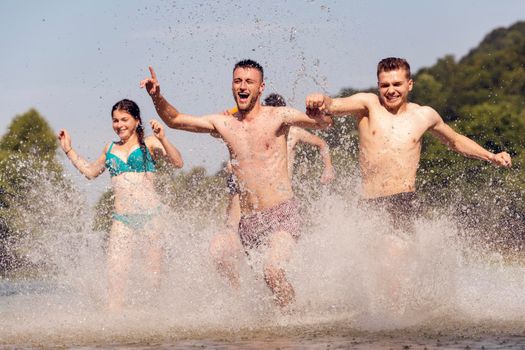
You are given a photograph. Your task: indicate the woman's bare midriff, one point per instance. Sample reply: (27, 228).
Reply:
(135, 192)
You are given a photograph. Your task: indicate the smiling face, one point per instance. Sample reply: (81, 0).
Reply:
(247, 87)
(394, 87)
(124, 124)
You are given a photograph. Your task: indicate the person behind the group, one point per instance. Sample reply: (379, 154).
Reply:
(131, 164)
(225, 247)
(256, 140)
(299, 135)
(390, 135)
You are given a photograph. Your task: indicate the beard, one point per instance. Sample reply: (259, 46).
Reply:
(247, 107)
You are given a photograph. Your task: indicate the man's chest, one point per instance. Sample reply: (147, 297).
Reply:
(252, 139)
(388, 131)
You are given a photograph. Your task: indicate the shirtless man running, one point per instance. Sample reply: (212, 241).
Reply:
(390, 134)
(225, 247)
(256, 139)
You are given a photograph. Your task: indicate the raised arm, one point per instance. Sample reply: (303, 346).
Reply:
(89, 170)
(314, 119)
(163, 147)
(304, 136)
(462, 144)
(355, 104)
(169, 114)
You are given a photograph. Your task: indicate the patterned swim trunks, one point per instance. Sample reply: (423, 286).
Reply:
(255, 229)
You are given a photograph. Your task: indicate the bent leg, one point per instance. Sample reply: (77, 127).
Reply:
(279, 251)
(226, 250)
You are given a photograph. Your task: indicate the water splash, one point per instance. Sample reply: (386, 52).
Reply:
(343, 271)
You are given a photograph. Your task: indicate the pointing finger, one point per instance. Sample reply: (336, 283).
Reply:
(153, 75)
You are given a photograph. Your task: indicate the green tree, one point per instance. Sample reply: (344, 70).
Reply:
(29, 173)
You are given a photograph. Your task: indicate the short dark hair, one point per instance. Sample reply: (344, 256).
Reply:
(274, 100)
(249, 64)
(393, 63)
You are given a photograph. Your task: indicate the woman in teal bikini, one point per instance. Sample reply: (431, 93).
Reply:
(136, 216)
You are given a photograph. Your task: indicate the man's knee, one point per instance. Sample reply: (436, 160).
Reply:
(280, 248)
(217, 246)
(223, 246)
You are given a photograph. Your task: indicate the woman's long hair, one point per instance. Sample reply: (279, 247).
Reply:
(133, 109)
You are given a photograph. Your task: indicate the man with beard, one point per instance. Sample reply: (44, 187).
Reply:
(225, 246)
(256, 139)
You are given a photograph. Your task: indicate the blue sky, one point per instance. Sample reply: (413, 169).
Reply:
(72, 60)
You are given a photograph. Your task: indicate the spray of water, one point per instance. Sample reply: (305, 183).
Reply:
(350, 271)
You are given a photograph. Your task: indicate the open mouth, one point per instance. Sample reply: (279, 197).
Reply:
(243, 96)
(392, 98)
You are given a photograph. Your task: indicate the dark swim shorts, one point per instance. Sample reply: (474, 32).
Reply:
(255, 229)
(402, 208)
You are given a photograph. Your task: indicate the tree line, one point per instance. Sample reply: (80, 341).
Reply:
(481, 95)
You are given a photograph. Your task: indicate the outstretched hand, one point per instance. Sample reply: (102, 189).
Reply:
(65, 140)
(151, 84)
(158, 129)
(502, 159)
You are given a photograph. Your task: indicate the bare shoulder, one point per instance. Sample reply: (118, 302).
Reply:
(106, 147)
(426, 114)
(367, 100)
(281, 114)
(222, 119)
(417, 108)
(280, 111)
(420, 110)
(368, 97)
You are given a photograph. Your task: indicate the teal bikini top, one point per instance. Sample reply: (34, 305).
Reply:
(134, 164)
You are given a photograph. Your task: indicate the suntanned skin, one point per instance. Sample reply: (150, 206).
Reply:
(133, 192)
(299, 135)
(225, 247)
(390, 135)
(391, 131)
(256, 139)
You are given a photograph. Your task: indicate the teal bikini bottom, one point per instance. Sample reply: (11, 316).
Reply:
(136, 221)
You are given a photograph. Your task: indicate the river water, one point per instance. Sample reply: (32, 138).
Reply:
(358, 284)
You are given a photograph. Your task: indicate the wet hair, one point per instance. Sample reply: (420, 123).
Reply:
(249, 64)
(133, 109)
(274, 100)
(393, 63)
